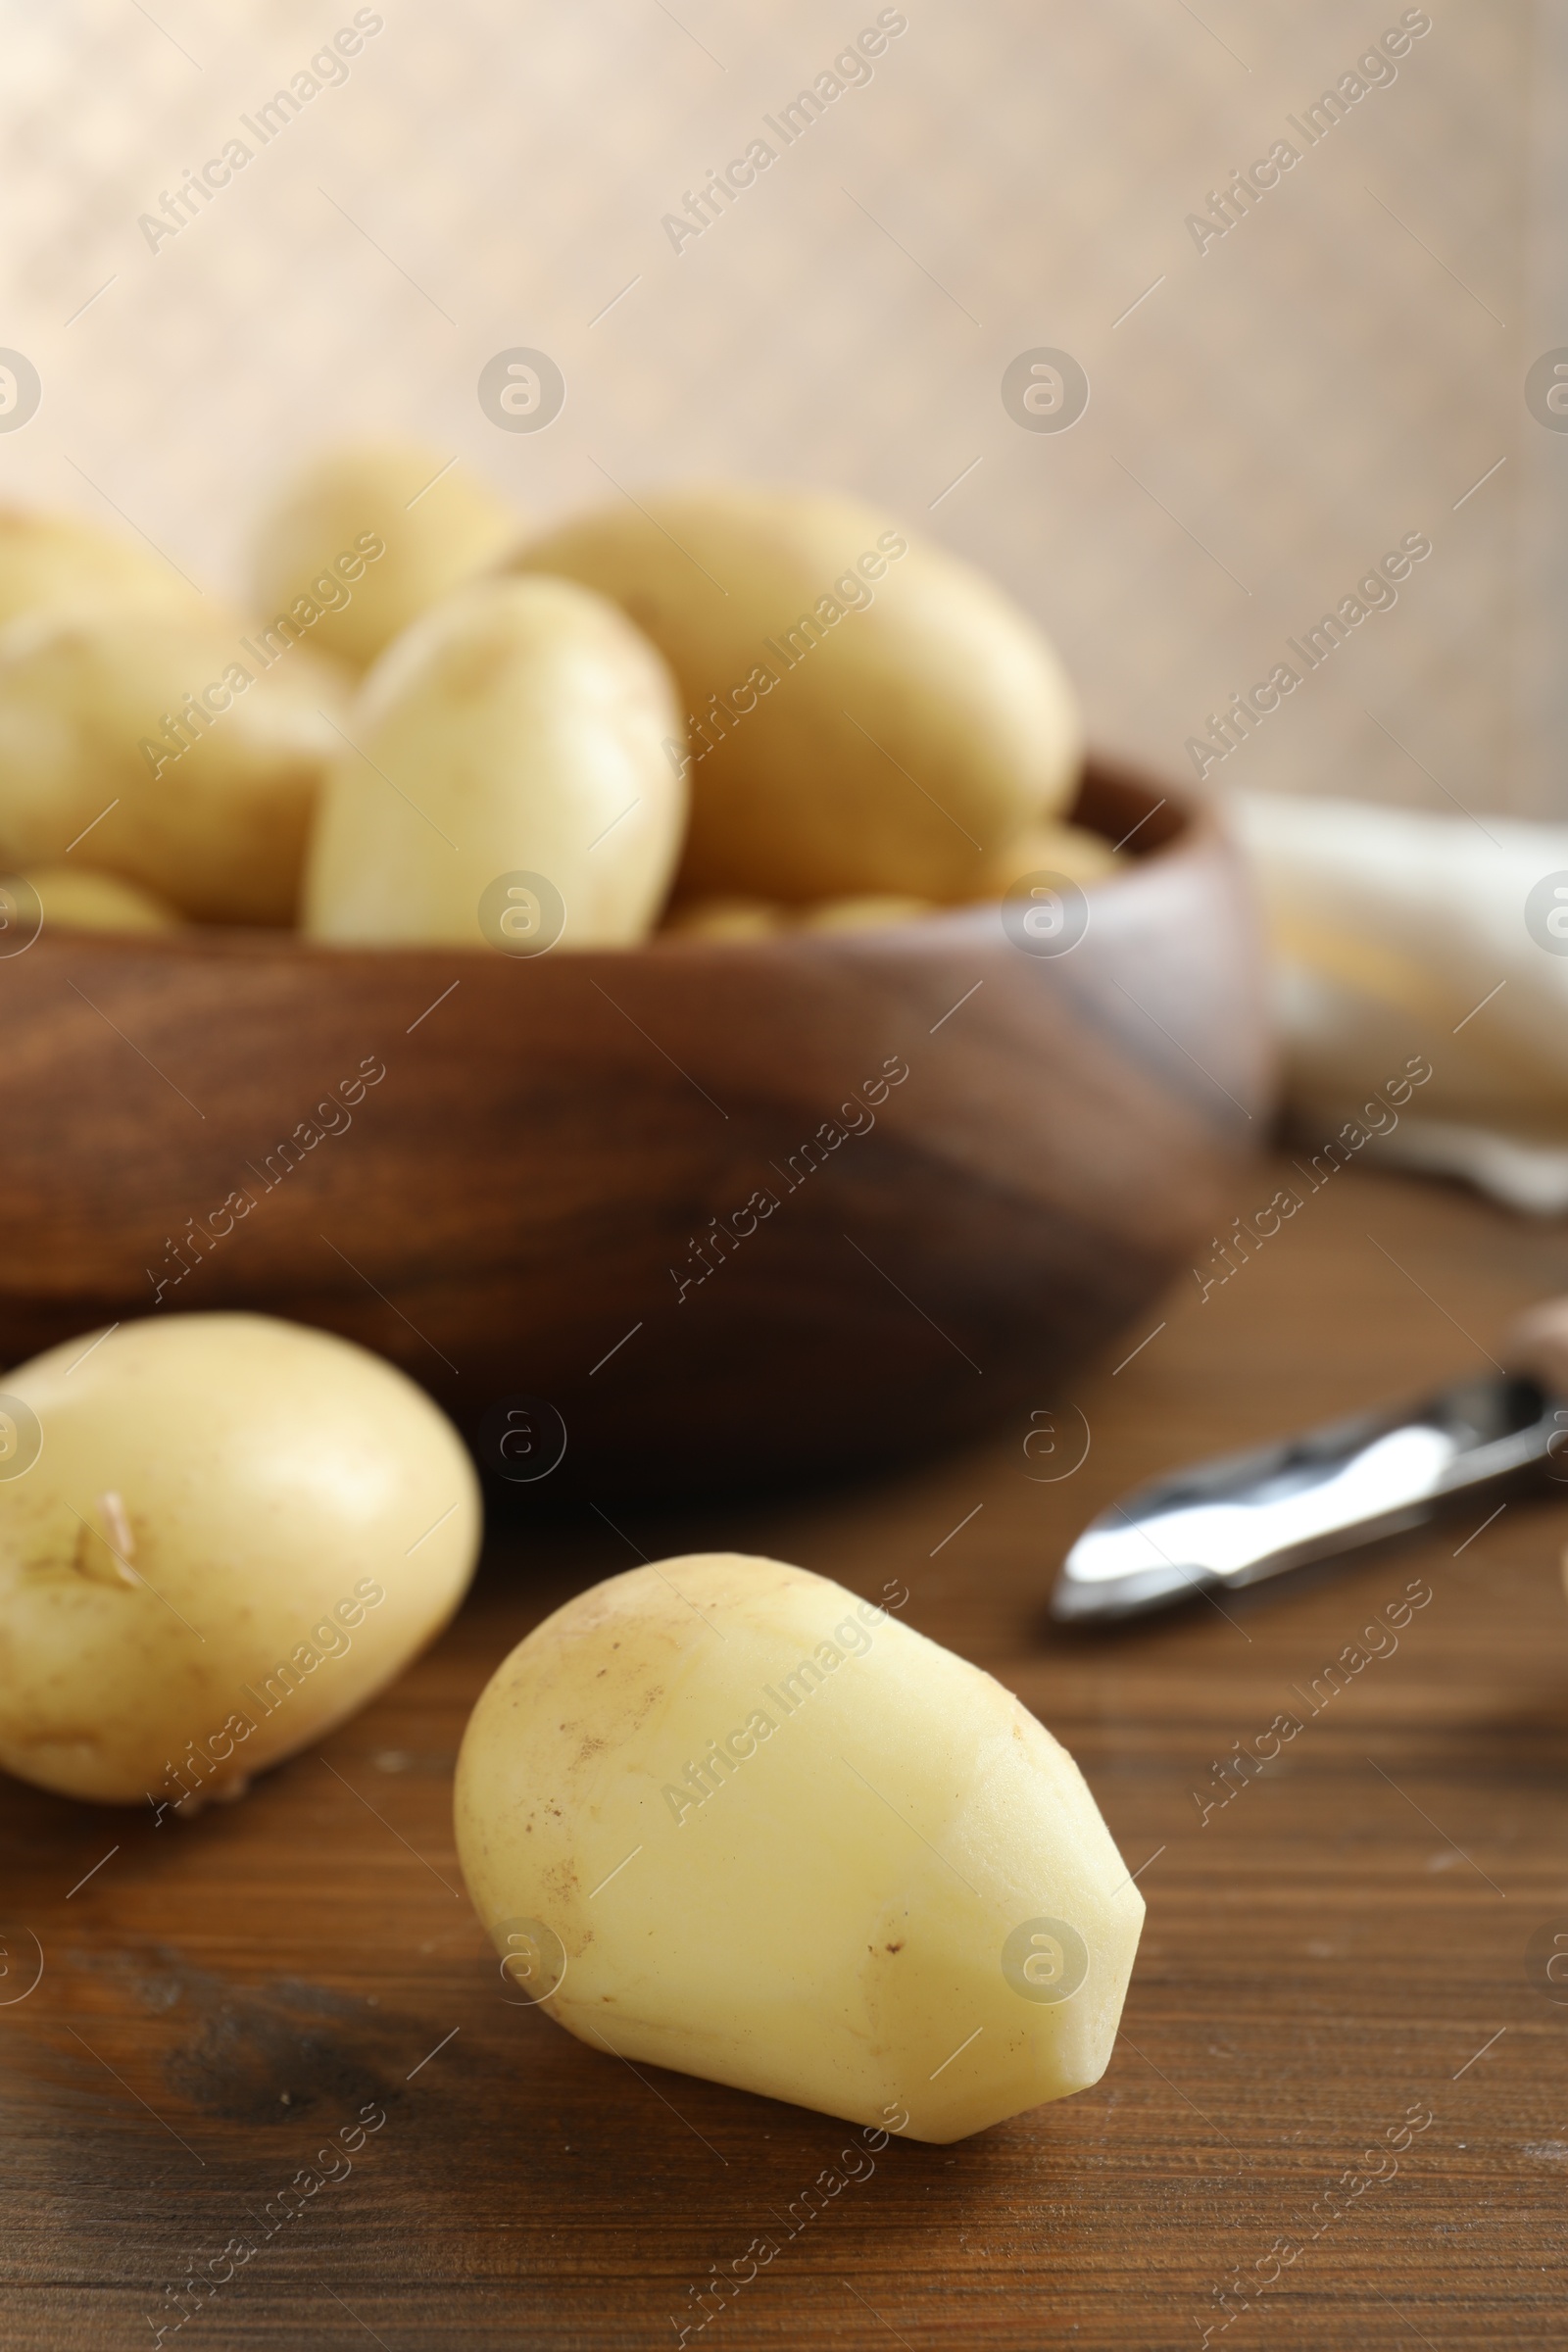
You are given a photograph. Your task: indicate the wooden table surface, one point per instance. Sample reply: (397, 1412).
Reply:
(1342, 1947)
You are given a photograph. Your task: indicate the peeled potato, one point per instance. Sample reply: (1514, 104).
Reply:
(867, 712)
(726, 919)
(58, 564)
(171, 750)
(372, 536)
(518, 731)
(874, 912)
(719, 1815)
(76, 899)
(756, 918)
(1052, 849)
(220, 1535)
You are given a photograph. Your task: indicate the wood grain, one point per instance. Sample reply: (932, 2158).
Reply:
(512, 1205)
(1346, 1938)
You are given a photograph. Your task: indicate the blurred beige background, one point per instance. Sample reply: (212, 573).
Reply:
(1339, 369)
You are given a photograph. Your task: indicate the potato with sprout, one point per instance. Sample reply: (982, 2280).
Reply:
(719, 1815)
(220, 1535)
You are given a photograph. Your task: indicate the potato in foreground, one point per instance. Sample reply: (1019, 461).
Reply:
(867, 712)
(220, 1535)
(171, 750)
(373, 535)
(510, 738)
(719, 1815)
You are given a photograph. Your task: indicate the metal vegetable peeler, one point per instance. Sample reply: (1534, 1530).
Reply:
(1243, 1518)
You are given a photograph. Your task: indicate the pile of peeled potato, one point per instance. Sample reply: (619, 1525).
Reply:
(724, 713)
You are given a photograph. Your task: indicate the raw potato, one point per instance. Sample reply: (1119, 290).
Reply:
(519, 729)
(1056, 849)
(75, 899)
(320, 543)
(915, 721)
(57, 564)
(212, 809)
(726, 919)
(232, 1537)
(874, 911)
(756, 919)
(861, 1914)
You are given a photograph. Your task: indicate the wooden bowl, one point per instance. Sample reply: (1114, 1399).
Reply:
(518, 1204)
